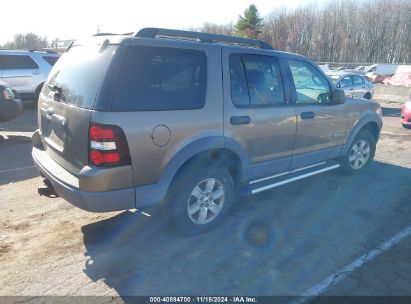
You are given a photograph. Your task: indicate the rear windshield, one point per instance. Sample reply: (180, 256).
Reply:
(50, 59)
(161, 78)
(79, 73)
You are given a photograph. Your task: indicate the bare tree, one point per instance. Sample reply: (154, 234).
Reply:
(221, 29)
(27, 41)
(344, 31)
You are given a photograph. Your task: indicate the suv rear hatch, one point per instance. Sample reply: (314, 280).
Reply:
(68, 98)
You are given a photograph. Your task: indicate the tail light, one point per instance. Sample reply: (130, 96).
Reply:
(8, 94)
(108, 146)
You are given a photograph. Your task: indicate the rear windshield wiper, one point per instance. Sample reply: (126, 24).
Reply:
(55, 88)
(58, 92)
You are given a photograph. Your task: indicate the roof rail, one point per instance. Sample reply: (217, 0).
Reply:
(112, 34)
(151, 32)
(46, 51)
(104, 34)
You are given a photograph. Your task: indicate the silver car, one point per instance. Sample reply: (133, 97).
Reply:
(354, 85)
(26, 71)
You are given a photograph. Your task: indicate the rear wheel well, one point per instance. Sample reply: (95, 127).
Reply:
(37, 92)
(218, 157)
(372, 127)
(39, 87)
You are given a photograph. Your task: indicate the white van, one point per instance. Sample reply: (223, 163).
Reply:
(381, 69)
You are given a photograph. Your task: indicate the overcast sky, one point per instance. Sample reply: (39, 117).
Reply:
(71, 19)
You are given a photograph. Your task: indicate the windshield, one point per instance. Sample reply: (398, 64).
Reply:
(78, 74)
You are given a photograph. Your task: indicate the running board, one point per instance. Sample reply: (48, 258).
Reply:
(292, 179)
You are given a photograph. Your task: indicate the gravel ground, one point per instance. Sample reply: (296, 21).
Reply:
(281, 242)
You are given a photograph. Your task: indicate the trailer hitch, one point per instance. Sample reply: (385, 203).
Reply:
(47, 189)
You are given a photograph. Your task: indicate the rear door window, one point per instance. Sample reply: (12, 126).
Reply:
(161, 78)
(255, 80)
(18, 62)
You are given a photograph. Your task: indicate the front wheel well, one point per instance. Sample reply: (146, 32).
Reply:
(372, 127)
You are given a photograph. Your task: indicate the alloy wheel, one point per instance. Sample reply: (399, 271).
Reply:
(206, 201)
(359, 154)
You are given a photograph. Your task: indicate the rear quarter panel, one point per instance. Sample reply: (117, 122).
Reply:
(186, 126)
(360, 112)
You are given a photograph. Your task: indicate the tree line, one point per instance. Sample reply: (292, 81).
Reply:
(348, 31)
(29, 41)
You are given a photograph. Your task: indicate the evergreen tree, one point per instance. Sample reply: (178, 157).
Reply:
(250, 24)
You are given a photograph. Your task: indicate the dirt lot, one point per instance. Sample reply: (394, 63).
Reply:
(282, 242)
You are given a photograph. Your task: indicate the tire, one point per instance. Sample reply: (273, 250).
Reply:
(406, 126)
(189, 191)
(367, 96)
(360, 154)
(37, 94)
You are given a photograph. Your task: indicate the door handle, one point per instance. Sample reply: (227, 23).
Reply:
(240, 120)
(307, 115)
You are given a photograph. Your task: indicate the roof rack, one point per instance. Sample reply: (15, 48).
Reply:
(112, 34)
(104, 34)
(45, 51)
(151, 32)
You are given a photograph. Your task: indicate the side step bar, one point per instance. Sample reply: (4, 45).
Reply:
(293, 179)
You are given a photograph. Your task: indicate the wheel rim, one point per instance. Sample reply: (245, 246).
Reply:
(206, 201)
(359, 154)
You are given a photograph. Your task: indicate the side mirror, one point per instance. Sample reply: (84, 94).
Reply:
(338, 96)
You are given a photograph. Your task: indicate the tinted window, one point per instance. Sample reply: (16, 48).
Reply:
(51, 60)
(160, 78)
(14, 62)
(358, 80)
(238, 81)
(255, 80)
(311, 86)
(79, 73)
(346, 81)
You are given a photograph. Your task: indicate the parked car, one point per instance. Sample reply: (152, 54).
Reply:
(381, 69)
(26, 71)
(406, 114)
(191, 121)
(10, 103)
(378, 73)
(354, 85)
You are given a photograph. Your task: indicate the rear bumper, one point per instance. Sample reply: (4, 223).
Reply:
(66, 185)
(71, 187)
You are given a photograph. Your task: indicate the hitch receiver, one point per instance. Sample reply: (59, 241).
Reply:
(46, 189)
